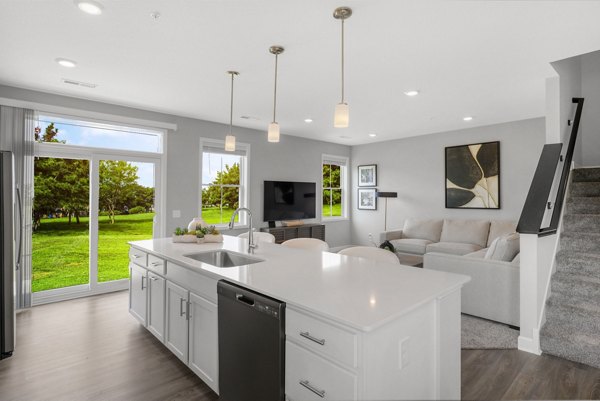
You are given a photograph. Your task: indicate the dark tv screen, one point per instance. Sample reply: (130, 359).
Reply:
(287, 200)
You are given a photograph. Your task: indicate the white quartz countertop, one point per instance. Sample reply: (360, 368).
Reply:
(356, 292)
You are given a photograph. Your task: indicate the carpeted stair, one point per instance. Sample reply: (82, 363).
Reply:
(572, 329)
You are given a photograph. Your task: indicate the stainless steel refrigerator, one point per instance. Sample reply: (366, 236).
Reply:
(7, 255)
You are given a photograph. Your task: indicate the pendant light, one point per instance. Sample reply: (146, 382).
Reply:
(230, 139)
(341, 116)
(273, 133)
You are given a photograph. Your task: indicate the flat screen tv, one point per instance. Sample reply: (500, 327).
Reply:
(287, 200)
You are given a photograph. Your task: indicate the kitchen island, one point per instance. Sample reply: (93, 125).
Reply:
(356, 329)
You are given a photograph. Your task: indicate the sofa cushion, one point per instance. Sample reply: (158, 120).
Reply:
(422, 229)
(454, 248)
(466, 232)
(500, 227)
(504, 248)
(410, 245)
(480, 254)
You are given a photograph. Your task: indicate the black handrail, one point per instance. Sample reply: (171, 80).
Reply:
(539, 192)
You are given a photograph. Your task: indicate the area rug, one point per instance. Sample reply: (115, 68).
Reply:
(484, 334)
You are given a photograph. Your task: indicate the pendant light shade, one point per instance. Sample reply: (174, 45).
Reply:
(230, 143)
(341, 116)
(230, 139)
(273, 132)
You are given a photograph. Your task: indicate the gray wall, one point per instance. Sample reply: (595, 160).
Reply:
(414, 167)
(590, 120)
(293, 158)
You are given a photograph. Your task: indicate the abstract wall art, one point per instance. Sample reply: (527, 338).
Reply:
(473, 176)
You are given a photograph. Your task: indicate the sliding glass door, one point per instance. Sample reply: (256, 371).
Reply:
(126, 213)
(89, 201)
(60, 243)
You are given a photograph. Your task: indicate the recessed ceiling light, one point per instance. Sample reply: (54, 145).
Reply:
(155, 15)
(66, 63)
(411, 93)
(308, 120)
(89, 6)
(467, 118)
(372, 135)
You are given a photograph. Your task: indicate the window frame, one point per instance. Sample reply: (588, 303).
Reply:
(244, 192)
(343, 162)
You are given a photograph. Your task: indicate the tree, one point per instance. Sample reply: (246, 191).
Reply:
(331, 179)
(61, 185)
(117, 185)
(211, 196)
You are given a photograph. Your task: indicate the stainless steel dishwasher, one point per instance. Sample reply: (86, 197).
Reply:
(251, 345)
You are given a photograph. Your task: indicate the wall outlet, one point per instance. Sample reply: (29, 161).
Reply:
(176, 214)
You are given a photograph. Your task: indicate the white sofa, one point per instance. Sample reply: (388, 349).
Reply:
(453, 236)
(460, 246)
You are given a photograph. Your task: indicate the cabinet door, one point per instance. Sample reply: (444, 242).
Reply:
(156, 305)
(138, 283)
(177, 321)
(204, 346)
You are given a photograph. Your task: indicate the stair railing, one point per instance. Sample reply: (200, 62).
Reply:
(537, 201)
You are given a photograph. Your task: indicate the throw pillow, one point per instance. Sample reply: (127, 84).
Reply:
(504, 248)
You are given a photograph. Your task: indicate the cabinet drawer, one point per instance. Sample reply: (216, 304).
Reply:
(156, 264)
(138, 257)
(196, 282)
(322, 337)
(310, 377)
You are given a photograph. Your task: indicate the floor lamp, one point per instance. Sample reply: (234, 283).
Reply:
(386, 195)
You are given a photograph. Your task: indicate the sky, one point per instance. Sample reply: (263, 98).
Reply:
(100, 135)
(214, 163)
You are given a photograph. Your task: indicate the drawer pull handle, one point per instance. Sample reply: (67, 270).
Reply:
(156, 263)
(153, 278)
(136, 256)
(307, 335)
(306, 384)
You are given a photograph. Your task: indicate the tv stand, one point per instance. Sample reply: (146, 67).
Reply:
(282, 234)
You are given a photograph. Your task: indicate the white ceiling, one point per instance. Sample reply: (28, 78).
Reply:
(488, 59)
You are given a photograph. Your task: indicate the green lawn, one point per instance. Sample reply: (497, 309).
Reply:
(61, 250)
(212, 215)
(337, 210)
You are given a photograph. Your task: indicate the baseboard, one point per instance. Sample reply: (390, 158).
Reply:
(531, 345)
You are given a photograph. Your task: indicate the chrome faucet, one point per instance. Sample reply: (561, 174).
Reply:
(251, 244)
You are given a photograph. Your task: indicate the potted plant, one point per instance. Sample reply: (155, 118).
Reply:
(212, 234)
(200, 232)
(183, 235)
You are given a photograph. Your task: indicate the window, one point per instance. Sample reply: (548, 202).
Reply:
(94, 134)
(334, 187)
(223, 182)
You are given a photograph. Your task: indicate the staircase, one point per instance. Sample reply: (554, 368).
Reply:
(572, 329)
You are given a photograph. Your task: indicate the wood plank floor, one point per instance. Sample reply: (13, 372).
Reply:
(92, 349)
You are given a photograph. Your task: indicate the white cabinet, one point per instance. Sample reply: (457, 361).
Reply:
(156, 305)
(138, 284)
(177, 312)
(204, 343)
(191, 332)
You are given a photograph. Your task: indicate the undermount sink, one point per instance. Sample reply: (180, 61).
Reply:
(223, 258)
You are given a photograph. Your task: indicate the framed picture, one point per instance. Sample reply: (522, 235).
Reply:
(367, 198)
(367, 175)
(473, 176)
